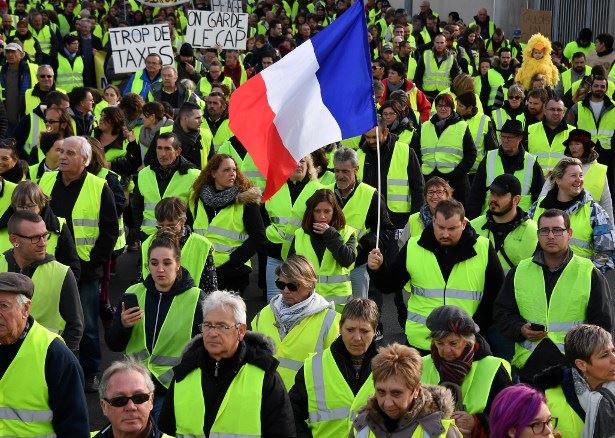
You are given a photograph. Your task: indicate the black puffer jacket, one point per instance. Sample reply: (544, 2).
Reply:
(256, 349)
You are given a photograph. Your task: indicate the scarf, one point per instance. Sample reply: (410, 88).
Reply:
(287, 317)
(599, 407)
(425, 215)
(218, 199)
(454, 371)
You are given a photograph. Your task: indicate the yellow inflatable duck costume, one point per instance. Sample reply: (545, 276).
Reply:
(537, 60)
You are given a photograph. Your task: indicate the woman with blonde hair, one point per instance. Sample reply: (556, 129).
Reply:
(402, 406)
(224, 207)
(279, 220)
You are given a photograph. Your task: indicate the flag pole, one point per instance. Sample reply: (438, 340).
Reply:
(378, 184)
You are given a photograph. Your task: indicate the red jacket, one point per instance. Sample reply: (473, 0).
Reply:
(423, 104)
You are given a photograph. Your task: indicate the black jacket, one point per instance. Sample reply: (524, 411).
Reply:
(511, 164)
(154, 432)
(276, 412)
(129, 163)
(509, 321)
(393, 275)
(157, 305)
(64, 380)
(69, 305)
(354, 379)
(163, 178)
(413, 174)
(63, 198)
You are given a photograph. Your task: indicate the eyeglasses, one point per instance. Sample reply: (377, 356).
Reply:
(45, 76)
(36, 239)
(219, 327)
(432, 193)
(538, 427)
(557, 232)
(514, 98)
(291, 286)
(51, 122)
(137, 399)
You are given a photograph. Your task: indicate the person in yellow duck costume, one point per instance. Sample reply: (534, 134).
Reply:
(537, 59)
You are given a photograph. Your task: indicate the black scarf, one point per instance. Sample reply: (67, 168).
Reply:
(218, 199)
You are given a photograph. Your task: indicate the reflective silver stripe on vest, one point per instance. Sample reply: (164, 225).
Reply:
(85, 222)
(323, 414)
(605, 132)
(166, 377)
(164, 361)
(531, 346)
(85, 240)
(363, 433)
(25, 415)
(397, 182)
(253, 174)
(150, 222)
(563, 326)
(527, 177)
(415, 317)
(442, 149)
(290, 363)
(324, 330)
(36, 129)
(435, 164)
(337, 299)
(230, 435)
(333, 278)
(150, 205)
(580, 243)
(220, 247)
(449, 293)
(404, 198)
(227, 233)
(481, 126)
(140, 355)
(188, 435)
(284, 220)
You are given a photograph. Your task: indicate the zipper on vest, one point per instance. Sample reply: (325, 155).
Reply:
(216, 369)
(156, 322)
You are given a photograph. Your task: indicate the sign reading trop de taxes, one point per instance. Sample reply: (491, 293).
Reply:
(228, 30)
(131, 45)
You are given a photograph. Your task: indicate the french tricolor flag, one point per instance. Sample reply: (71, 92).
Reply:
(318, 94)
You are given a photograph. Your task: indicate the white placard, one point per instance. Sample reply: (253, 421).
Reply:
(131, 45)
(226, 5)
(228, 30)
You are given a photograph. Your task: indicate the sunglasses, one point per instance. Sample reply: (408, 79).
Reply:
(291, 286)
(137, 399)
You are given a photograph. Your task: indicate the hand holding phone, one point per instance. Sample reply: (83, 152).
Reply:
(131, 312)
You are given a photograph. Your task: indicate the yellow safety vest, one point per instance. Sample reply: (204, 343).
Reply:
(594, 179)
(355, 210)
(605, 129)
(194, 255)
(519, 244)
(582, 241)
(476, 384)
(205, 86)
(23, 389)
(174, 334)
(48, 280)
(223, 133)
(242, 401)
(445, 152)
(548, 154)
(333, 279)
(86, 211)
(33, 101)
(179, 186)
(419, 432)
(494, 167)
(428, 289)
(495, 81)
(398, 185)
(566, 78)
(500, 116)
(436, 78)
(562, 312)
(6, 188)
(120, 243)
(312, 335)
(479, 126)
(569, 423)
(330, 399)
(279, 207)
(44, 38)
(415, 224)
(70, 76)
(37, 127)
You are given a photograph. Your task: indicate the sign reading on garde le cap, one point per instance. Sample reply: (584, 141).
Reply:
(228, 30)
(131, 45)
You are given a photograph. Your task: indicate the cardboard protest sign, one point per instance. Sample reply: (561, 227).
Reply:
(131, 45)
(228, 30)
(226, 5)
(534, 21)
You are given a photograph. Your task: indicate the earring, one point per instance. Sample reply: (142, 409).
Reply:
(16, 245)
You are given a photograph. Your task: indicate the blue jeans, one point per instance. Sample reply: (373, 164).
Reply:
(89, 348)
(272, 289)
(360, 281)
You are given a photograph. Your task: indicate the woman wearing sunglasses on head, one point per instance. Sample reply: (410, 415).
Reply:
(299, 320)
(158, 316)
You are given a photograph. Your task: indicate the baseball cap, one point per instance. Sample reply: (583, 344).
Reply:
(506, 183)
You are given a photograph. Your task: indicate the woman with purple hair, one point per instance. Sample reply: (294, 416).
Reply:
(520, 411)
